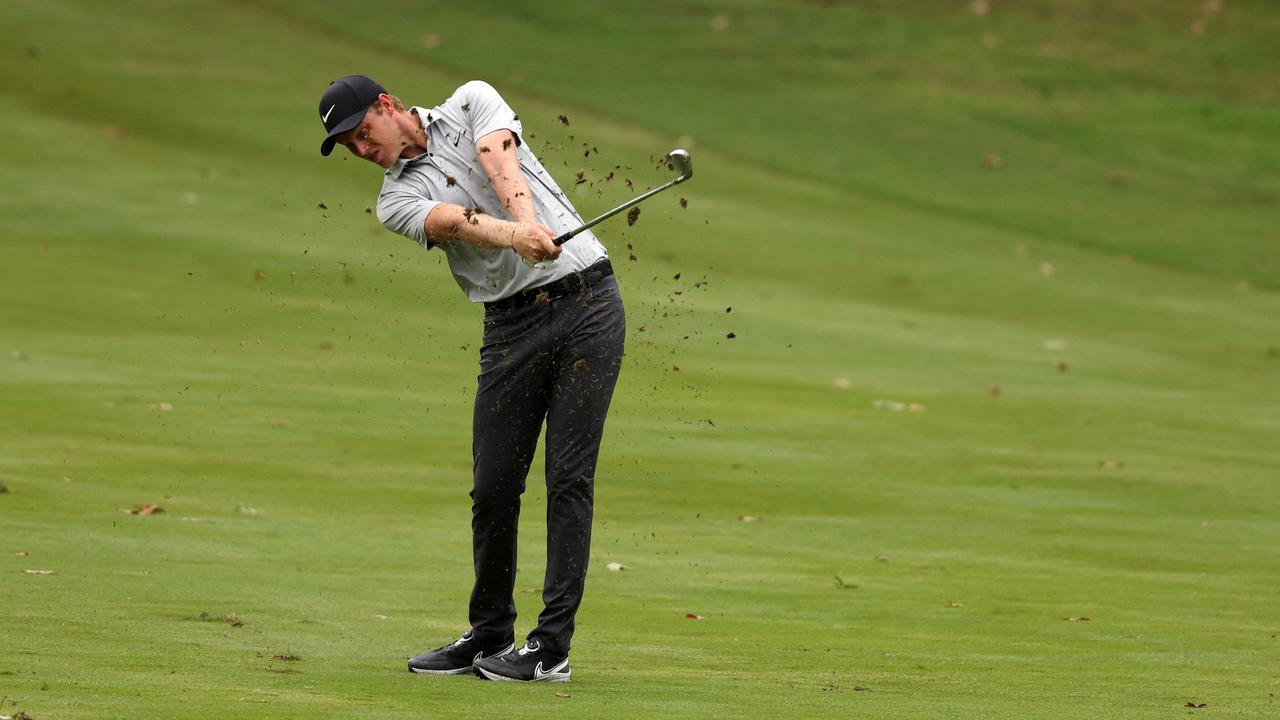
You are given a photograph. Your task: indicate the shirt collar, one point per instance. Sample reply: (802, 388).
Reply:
(427, 117)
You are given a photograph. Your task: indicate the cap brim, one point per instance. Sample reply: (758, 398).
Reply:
(349, 123)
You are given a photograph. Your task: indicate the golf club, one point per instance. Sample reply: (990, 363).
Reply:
(678, 160)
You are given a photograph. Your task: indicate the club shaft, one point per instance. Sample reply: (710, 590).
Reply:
(565, 237)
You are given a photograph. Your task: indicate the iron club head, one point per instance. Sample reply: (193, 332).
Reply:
(681, 162)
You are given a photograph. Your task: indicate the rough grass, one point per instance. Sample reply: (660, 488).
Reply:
(1059, 246)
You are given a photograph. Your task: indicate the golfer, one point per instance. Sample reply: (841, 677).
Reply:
(460, 177)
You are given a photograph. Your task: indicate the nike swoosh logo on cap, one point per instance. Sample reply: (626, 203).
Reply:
(326, 115)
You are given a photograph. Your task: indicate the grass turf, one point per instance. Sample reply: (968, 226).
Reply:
(1053, 228)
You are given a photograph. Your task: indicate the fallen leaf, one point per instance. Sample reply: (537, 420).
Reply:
(981, 8)
(1047, 269)
(286, 657)
(748, 518)
(161, 407)
(633, 214)
(882, 558)
(1076, 619)
(563, 120)
(993, 390)
(616, 567)
(142, 510)
(39, 572)
(694, 616)
(21, 553)
(1196, 705)
(1110, 465)
(992, 161)
(383, 617)
(1054, 344)
(1063, 366)
(840, 383)
(954, 604)
(684, 202)
(916, 408)
(720, 23)
(563, 695)
(280, 423)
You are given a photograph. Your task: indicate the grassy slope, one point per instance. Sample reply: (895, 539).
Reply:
(168, 154)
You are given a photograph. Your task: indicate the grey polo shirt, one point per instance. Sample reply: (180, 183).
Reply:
(450, 172)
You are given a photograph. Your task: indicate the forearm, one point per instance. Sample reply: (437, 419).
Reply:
(500, 159)
(449, 222)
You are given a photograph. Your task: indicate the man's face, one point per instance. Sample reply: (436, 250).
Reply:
(375, 139)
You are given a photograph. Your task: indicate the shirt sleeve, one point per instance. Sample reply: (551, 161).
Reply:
(486, 111)
(406, 213)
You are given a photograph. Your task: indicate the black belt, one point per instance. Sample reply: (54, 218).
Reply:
(567, 285)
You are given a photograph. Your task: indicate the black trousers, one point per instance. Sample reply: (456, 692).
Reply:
(556, 360)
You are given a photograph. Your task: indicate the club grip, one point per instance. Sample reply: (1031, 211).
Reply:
(564, 238)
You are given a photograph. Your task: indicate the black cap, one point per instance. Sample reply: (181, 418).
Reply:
(344, 104)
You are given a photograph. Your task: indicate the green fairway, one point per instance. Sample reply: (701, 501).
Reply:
(954, 391)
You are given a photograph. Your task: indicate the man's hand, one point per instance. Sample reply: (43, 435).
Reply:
(534, 242)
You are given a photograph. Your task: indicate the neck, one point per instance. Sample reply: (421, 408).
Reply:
(413, 136)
